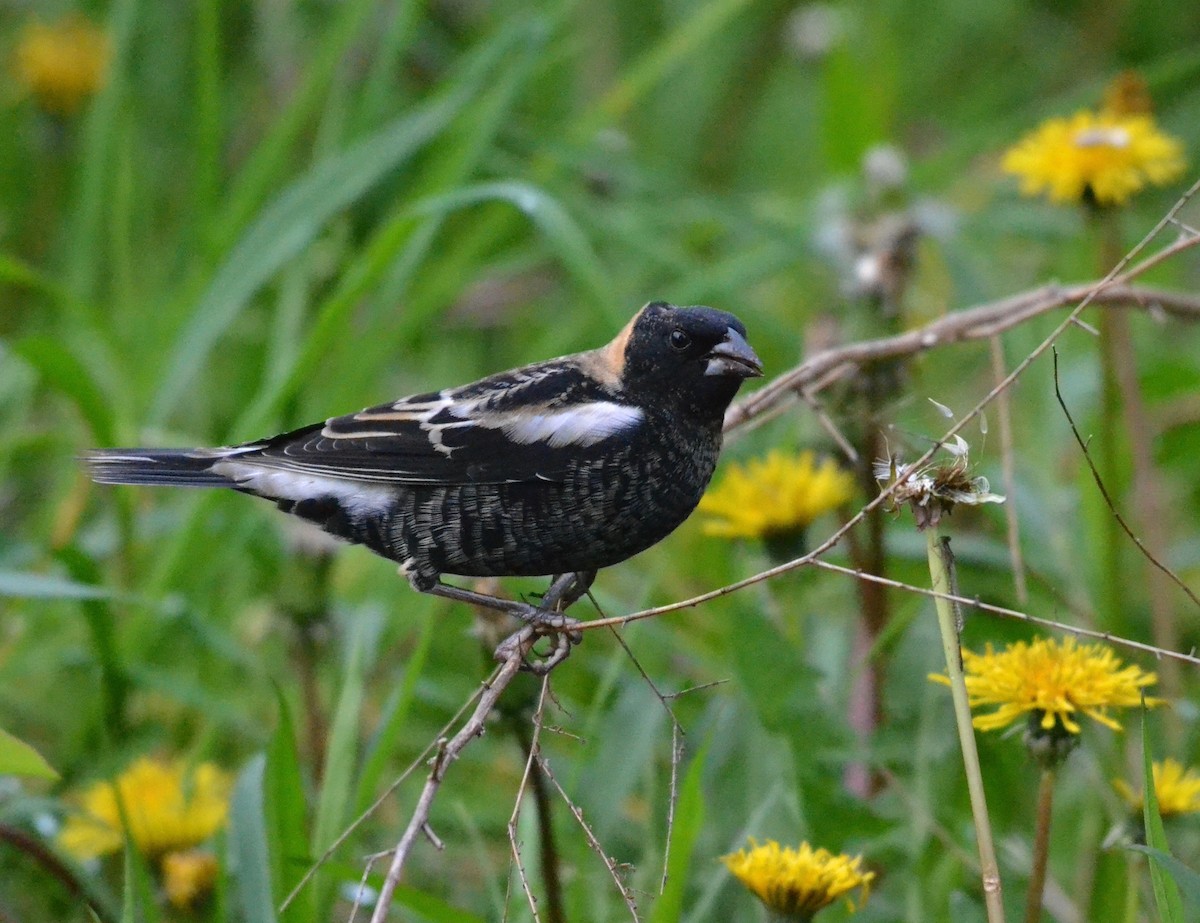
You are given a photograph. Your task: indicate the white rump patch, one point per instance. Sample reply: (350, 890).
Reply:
(584, 425)
(355, 497)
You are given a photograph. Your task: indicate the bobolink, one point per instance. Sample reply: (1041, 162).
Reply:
(562, 467)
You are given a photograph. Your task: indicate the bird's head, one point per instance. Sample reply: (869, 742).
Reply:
(699, 356)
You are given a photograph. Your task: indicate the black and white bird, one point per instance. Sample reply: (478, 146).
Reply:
(558, 468)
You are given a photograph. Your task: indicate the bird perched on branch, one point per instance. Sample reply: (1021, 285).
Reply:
(558, 468)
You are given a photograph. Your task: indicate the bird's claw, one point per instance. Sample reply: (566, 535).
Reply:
(541, 623)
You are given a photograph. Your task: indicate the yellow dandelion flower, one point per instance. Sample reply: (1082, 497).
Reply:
(774, 496)
(167, 808)
(796, 883)
(1176, 788)
(63, 63)
(1105, 157)
(1052, 680)
(188, 876)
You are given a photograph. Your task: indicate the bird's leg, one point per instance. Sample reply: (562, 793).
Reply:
(566, 589)
(544, 620)
(536, 616)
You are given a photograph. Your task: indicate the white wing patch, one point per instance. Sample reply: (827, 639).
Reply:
(579, 424)
(582, 425)
(356, 498)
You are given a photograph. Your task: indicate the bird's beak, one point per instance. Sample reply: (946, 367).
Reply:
(733, 356)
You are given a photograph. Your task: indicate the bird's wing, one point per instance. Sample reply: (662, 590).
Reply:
(521, 425)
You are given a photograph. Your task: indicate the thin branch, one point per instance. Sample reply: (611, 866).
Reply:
(361, 892)
(447, 752)
(1009, 472)
(976, 603)
(968, 325)
(829, 426)
(1108, 499)
(672, 799)
(532, 750)
(374, 806)
(577, 813)
(677, 735)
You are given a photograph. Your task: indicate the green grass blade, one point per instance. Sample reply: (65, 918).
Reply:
(403, 241)
(63, 371)
(284, 229)
(292, 221)
(660, 61)
(268, 163)
(248, 844)
(139, 904)
(341, 755)
(101, 132)
(286, 812)
(383, 745)
(24, 585)
(1188, 879)
(560, 231)
(101, 621)
(18, 758)
(207, 130)
(1166, 893)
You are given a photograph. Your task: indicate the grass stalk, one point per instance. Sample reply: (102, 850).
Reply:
(1041, 847)
(939, 572)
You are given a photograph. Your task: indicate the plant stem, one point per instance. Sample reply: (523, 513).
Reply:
(1112, 450)
(547, 848)
(1133, 878)
(1041, 848)
(939, 572)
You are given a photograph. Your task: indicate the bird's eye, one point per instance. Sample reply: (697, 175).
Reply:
(680, 340)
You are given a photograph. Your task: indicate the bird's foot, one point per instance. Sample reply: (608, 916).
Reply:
(546, 620)
(521, 644)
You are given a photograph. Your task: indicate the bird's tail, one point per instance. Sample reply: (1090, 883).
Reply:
(174, 467)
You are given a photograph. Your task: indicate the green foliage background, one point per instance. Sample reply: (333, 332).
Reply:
(275, 212)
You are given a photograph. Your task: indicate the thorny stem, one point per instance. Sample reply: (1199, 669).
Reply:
(1041, 847)
(939, 572)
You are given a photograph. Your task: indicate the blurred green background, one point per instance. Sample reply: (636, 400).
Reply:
(273, 212)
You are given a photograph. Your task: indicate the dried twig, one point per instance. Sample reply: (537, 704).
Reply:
(447, 752)
(672, 798)
(976, 603)
(374, 806)
(609, 864)
(1009, 470)
(1108, 501)
(677, 735)
(978, 323)
(533, 750)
